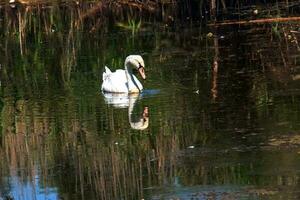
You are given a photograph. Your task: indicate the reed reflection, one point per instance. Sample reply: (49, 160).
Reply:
(124, 101)
(63, 154)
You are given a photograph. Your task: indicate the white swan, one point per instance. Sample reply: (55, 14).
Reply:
(123, 81)
(123, 101)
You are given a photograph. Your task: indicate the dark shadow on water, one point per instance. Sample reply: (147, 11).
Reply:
(203, 192)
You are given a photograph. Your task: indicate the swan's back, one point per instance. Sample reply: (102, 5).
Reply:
(114, 81)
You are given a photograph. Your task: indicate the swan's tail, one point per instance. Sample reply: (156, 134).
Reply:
(106, 73)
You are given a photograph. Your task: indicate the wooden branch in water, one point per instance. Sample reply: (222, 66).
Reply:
(294, 31)
(256, 21)
(92, 12)
(150, 6)
(103, 5)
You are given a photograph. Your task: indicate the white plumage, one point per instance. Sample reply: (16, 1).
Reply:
(123, 81)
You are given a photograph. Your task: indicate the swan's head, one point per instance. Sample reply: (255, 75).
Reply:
(136, 62)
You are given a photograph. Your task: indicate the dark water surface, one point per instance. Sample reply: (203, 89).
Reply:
(224, 115)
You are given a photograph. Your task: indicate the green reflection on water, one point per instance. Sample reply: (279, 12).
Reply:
(225, 119)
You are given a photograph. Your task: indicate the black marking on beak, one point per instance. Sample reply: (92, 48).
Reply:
(140, 65)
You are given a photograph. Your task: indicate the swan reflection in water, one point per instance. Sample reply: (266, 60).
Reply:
(129, 100)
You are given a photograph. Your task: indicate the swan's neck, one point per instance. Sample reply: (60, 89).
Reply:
(132, 85)
(128, 71)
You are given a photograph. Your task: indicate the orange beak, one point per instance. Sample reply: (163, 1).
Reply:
(142, 72)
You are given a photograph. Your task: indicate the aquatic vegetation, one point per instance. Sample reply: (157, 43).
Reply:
(132, 25)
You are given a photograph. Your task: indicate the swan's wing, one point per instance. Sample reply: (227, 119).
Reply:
(106, 73)
(107, 70)
(115, 82)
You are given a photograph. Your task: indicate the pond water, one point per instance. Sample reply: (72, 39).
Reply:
(223, 115)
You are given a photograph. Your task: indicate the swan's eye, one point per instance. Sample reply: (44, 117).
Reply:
(140, 65)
